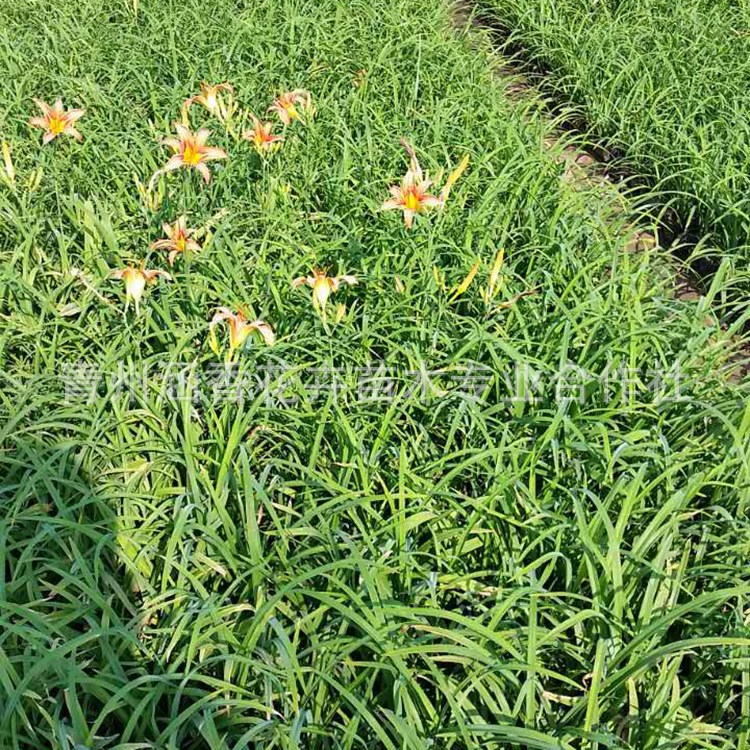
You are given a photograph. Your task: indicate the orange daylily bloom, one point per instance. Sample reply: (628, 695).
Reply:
(323, 286)
(260, 135)
(56, 121)
(413, 196)
(136, 280)
(179, 239)
(191, 151)
(285, 106)
(210, 97)
(239, 329)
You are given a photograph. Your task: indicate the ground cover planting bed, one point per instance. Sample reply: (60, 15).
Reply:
(664, 85)
(328, 480)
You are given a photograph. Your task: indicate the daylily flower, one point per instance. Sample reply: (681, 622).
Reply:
(239, 330)
(56, 121)
(413, 196)
(323, 286)
(210, 97)
(262, 138)
(191, 151)
(285, 106)
(135, 282)
(178, 240)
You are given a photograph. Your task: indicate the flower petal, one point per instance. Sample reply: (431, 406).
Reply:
(390, 204)
(302, 97)
(174, 163)
(223, 313)
(281, 112)
(265, 330)
(73, 133)
(211, 153)
(205, 171)
(46, 109)
(72, 115)
(202, 136)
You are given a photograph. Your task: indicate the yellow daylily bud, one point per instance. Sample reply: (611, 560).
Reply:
(454, 177)
(439, 277)
(35, 179)
(494, 275)
(466, 283)
(10, 172)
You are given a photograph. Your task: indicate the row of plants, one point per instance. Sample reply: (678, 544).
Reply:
(663, 87)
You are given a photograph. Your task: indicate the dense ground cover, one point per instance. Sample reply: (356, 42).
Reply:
(665, 84)
(452, 565)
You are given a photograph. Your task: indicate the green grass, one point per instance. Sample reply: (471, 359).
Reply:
(422, 572)
(666, 86)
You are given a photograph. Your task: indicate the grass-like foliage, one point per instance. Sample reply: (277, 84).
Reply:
(665, 83)
(322, 568)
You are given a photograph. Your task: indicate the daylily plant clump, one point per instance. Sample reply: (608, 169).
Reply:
(191, 151)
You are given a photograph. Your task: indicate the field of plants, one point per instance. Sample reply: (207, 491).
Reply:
(664, 84)
(337, 412)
